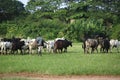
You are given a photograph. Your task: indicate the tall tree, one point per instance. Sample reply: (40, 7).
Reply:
(106, 9)
(10, 9)
(43, 5)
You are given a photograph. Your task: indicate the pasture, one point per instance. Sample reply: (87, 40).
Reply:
(74, 62)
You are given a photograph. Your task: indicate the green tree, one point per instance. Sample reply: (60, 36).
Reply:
(52, 18)
(10, 9)
(43, 5)
(91, 27)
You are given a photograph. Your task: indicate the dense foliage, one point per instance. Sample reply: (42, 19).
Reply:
(58, 18)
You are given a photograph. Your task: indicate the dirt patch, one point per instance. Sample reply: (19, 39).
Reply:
(35, 76)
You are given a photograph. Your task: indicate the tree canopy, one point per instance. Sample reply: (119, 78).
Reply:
(58, 18)
(10, 9)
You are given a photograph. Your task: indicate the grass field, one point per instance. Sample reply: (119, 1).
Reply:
(75, 62)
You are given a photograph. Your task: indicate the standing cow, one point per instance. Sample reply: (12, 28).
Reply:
(36, 45)
(114, 43)
(62, 44)
(104, 44)
(50, 45)
(90, 44)
(17, 44)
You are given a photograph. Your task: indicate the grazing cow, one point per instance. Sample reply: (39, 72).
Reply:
(104, 44)
(114, 44)
(90, 43)
(60, 44)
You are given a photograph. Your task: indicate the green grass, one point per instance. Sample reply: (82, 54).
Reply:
(75, 62)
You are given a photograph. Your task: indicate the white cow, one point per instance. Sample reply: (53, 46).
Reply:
(33, 44)
(2, 46)
(114, 44)
(50, 45)
(5, 46)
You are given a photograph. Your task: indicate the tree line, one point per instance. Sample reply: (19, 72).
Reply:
(60, 18)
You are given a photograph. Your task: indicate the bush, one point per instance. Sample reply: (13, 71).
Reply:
(116, 32)
(49, 29)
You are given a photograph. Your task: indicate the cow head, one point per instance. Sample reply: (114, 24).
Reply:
(70, 43)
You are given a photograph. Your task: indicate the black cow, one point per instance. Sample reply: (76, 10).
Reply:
(17, 45)
(104, 44)
(62, 44)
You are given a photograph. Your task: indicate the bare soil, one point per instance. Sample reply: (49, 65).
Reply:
(36, 76)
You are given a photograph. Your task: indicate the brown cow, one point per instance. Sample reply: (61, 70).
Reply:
(62, 44)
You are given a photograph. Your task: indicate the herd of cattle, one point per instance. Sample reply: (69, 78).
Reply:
(104, 44)
(22, 46)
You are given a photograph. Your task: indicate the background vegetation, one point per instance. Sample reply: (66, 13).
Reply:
(58, 18)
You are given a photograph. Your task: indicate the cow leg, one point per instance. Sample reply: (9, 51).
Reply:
(84, 47)
(55, 50)
(117, 49)
(40, 50)
(107, 50)
(84, 51)
(13, 52)
(96, 49)
(58, 50)
(92, 50)
(101, 50)
(61, 50)
(2, 51)
(111, 49)
(21, 52)
(65, 49)
(87, 50)
(30, 50)
(6, 51)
